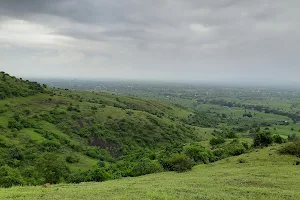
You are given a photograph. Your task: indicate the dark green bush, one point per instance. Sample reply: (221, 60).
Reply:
(278, 139)
(216, 141)
(199, 154)
(100, 174)
(291, 148)
(72, 159)
(177, 162)
(146, 166)
(292, 137)
(13, 124)
(262, 139)
(10, 177)
(235, 148)
(53, 168)
(49, 146)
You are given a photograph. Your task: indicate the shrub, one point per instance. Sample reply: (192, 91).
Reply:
(235, 148)
(231, 135)
(146, 167)
(245, 144)
(216, 141)
(198, 154)
(178, 162)
(53, 168)
(100, 174)
(72, 159)
(79, 176)
(10, 177)
(262, 139)
(292, 137)
(278, 139)
(49, 146)
(291, 149)
(13, 124)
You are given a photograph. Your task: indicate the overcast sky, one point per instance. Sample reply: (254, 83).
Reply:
(198, 40)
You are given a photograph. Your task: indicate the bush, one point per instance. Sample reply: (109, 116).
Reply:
(262, 139)
(231, 135)
(291, 149)
(100, 174)
(216, 141)
(146, 167)
(72, 159)
(49, 146)
(235, 148)
(199, 154)
(13, 124)
(292, 137)
(53, 168)
(278, 139)
(178, 162)
(10, 177)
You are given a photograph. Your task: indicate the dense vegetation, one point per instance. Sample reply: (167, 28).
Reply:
(258, 175)
(12, 87)
(55, 135)
(52, 135)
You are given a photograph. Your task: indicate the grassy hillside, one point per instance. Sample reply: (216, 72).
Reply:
(11, 87)
(56, 135)
(50, 135)
(259, 175)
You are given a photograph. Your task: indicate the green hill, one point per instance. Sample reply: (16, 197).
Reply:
(60, 136)
(12, 87)
(56, 135)
(262, 175)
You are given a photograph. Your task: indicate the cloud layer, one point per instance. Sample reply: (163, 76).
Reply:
(160, 39)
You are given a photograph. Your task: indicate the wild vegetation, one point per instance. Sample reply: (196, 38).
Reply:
(258, 175)
(52, 135)
(57, 135)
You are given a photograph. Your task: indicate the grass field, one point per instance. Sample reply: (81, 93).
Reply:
(262, 175)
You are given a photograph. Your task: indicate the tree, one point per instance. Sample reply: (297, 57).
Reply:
(53, 168)
(262, 139)
(177, 162)
(10, 177)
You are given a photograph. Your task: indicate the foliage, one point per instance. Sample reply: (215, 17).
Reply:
(291, 148)
(10, 177)
(53, 168)
(278, 139)
(216, 141)
(13, 87)
(262, 139)
(199, 154)
(177, 162)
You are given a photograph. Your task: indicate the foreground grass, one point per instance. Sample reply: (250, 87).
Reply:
(265, 175)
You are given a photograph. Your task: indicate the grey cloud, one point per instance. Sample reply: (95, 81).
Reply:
(200, 36)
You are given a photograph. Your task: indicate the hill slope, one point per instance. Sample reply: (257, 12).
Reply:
(265, 175)
(11, 87)
(55, 135)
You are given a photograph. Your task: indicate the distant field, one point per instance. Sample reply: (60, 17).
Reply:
(265, 175)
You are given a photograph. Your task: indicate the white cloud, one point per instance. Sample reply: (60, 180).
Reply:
(199, 28)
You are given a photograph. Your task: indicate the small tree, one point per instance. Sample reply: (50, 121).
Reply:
(53, 168)
(278, 139)
(216, 141)
(262, 139)
(10, 177)
(177, 162)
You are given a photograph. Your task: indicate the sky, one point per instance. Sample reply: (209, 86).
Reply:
(184, 40)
